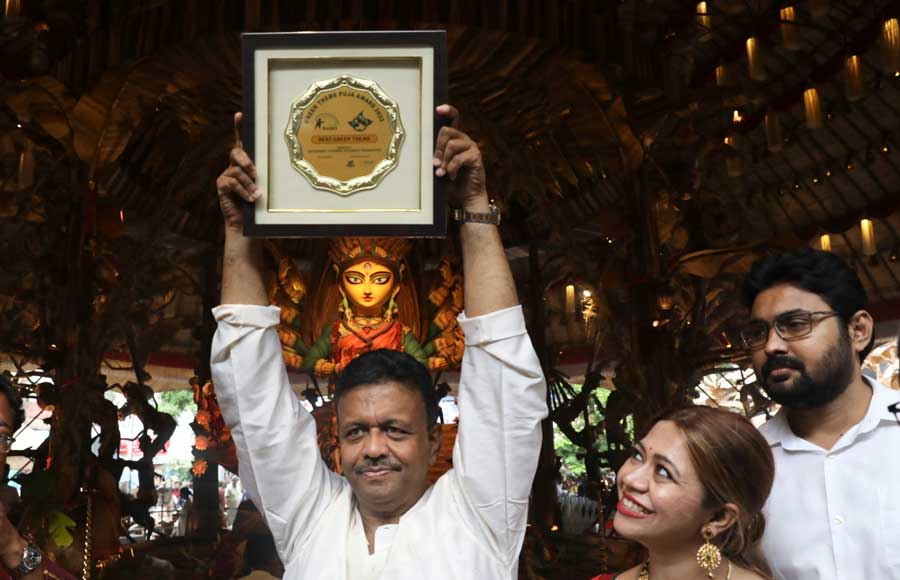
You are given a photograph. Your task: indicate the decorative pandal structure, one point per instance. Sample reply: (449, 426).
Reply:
(818, 9)
(774, 135)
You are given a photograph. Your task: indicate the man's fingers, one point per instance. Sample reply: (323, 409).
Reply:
(465, 159)
(238, 117)
(230, 186)
(240, 175)
(455, 147)
(446, 134)
(240, 158)
(450, 112)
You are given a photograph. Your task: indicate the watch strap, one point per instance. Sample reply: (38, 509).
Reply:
(463, 216)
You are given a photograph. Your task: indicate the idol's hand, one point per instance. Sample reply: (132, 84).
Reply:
(457, 157)
(236, 183)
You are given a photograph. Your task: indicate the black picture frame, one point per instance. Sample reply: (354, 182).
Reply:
(369, 41)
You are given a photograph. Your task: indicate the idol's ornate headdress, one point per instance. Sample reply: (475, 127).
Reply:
(389, 252)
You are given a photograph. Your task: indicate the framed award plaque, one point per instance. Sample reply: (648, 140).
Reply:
(341, 127)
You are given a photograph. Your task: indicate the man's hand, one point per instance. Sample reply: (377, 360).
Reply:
(458, 158)
(236, 183)
(12, 545)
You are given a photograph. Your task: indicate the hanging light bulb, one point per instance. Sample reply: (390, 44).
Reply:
(734, 164)
(890, 46)
(570, 300)
(26, 166)
(812, 106)
(12, 9)
(774, 136)
(825, 243)
(703, 21)
(723, 76)
(867, 228)
(755, 61)
(853, 78)
(790, 34)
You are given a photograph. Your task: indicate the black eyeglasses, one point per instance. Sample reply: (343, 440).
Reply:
(6, 442)
(792, 326)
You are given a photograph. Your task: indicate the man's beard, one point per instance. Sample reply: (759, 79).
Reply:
(806, 391)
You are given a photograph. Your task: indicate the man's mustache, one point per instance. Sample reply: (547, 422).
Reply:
(376, 465)
(781, 362)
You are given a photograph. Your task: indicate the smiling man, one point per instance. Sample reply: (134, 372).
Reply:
(381, 519)
(834, 511)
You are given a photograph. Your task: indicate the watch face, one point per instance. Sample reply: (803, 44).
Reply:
(31, 559)
(32, 556)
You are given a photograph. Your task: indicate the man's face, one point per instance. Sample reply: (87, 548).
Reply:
(386, 445)
(7, 416)
(811, 371)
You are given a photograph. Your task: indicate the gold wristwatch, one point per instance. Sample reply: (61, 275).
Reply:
(491, 217)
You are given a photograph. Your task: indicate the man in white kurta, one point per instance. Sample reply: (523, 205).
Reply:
(471, 523)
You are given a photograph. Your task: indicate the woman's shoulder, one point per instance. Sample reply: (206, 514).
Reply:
(744, 574)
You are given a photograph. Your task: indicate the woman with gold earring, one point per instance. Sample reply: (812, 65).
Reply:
(692, 493)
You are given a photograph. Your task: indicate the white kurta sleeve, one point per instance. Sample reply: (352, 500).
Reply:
(278, 455)
(502, 401)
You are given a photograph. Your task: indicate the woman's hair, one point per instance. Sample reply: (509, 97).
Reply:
(735, 465)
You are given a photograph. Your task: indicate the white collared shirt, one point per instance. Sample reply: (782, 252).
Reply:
(835, 514)
(469, 524)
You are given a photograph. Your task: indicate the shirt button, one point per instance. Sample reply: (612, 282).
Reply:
(838, 520)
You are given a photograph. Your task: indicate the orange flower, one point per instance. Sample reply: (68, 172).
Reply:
(203, 418)
(201, 443)
(199, 467)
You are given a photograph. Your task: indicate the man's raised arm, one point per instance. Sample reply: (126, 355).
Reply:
(275, 437)
(489, 284)
(502, 397)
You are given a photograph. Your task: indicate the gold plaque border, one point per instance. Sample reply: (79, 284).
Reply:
(356, 184)
(333, 59)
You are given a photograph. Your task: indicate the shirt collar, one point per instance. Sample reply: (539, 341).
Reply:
(777, 430)
(882, 398)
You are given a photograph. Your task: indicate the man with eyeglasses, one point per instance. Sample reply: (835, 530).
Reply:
(834, 510)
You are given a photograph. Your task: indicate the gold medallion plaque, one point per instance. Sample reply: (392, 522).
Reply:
(344, 134)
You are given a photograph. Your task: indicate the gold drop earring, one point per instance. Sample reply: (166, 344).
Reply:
(708, 556)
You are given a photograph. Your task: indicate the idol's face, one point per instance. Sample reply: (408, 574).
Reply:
(386, 445)
(368, 285)
(661, 498)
